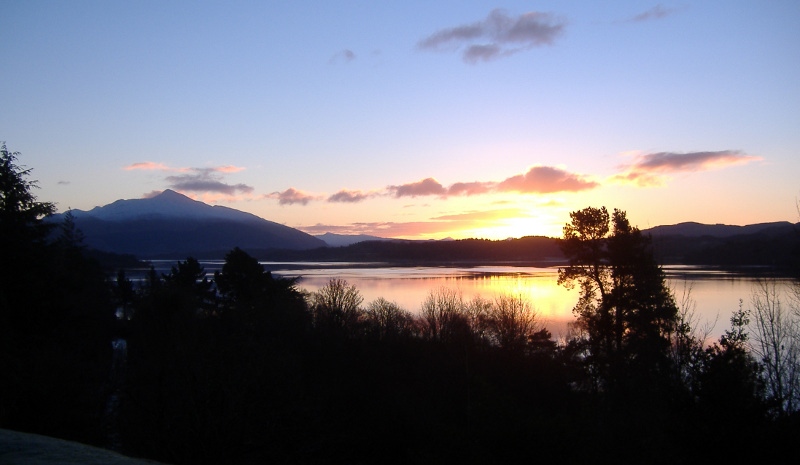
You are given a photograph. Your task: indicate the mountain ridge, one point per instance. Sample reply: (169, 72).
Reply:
(172, 225)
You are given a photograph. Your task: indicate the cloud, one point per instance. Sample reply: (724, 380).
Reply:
(293, 196)
(346, 196)
(483, 216)
(496, 36)
(434, 226)
(545, 180)
(657, 12)
(648, 169)
(428, 186)
(538, 180)
(470, 188)
(148, 166)
(345, 56)
(388, 229)
(207, 180)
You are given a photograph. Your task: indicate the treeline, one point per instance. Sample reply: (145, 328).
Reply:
(246, 368)
(778, 248)
(531, 249)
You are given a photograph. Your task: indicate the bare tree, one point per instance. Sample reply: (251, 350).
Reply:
(512, 321)
(337, 306)
(445, 315)
(387, 320)
(776, 343)
(689, 339)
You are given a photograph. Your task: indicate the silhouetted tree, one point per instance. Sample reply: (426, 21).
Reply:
(385, 320)
(625, 308)
(445, 316)
(512, 322)
(55, 318)
(731, 388)
(336, 307)
(188, 278)
(256, 299)
(777, 344)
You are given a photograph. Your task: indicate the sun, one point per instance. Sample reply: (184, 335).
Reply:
(520, 225)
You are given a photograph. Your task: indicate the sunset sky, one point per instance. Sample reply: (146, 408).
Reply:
(412, 119)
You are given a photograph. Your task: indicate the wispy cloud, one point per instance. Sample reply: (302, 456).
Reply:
(657, 12)
(148, 166)
(389, 229)
(292, 196)
(203, 181)
(484, 216)
(443, 224)
(649, 169)
(497, 36)
(206, 180)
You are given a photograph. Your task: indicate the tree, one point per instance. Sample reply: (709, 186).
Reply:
(446, 316)
(255, 298)
(336, 307)
(730, 385)
(512, 322)
(23, 234)
(189, 282)
(387, 321)
(777, 344)
(20, 212)
(56, 317)
(625, 310)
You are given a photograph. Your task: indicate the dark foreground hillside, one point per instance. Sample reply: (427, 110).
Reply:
(18, 448)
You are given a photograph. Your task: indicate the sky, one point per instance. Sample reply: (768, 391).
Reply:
(411, 119)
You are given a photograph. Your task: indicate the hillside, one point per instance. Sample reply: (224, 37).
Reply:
(171, 225)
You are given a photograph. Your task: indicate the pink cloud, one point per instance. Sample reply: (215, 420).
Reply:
(148, 166)
(228, 169)
(470, 188)
(428, 186)
(648, 169)
(546, 179)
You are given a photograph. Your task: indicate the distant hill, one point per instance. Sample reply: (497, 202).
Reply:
(342, 240)
(692, 229)
(171, 225)
(530, 250)
(767, 244)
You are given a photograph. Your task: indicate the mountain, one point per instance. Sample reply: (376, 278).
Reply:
(766, 244)
(342, 240)
(171, 225)
(692, 229)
